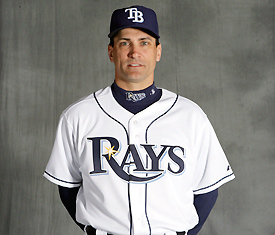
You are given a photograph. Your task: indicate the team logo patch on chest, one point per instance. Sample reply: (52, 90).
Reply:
(136, 163)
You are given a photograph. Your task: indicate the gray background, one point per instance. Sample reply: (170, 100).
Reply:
(218, 53)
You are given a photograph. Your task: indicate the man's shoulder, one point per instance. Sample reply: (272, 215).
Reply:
(182, 101)
(86, 103)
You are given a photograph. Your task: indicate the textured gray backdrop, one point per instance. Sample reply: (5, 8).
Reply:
(218, 53)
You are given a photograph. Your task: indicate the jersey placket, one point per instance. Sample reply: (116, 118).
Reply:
(137, 190)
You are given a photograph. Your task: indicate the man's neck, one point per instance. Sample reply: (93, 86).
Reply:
(136, 101)
(133, 86)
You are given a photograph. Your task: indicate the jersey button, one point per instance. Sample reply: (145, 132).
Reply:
(137, 136)
(135, 122)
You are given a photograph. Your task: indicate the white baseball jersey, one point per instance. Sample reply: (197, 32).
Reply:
(137, 172)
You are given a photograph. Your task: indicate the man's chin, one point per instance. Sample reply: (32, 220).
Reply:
(135, 78)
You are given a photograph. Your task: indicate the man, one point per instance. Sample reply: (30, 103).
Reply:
(133, 158)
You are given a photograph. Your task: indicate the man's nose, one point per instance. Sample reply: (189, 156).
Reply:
(134, 51)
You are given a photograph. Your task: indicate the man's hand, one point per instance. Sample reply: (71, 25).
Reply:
(90, 230)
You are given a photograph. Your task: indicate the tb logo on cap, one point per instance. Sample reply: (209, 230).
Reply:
(135, 15)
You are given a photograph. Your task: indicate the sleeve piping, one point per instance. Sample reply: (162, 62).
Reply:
(63, 181)
(232, 174)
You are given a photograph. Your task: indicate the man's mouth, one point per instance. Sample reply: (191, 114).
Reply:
(134, 65)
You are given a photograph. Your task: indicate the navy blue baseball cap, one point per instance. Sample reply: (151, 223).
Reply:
(134, 17)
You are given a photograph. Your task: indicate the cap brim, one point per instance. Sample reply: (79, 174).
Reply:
(112, 34)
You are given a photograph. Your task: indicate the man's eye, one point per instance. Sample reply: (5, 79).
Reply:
(123, 43)
(145, 43)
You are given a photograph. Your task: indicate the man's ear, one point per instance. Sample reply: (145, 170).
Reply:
(110, 53)
(159, 49)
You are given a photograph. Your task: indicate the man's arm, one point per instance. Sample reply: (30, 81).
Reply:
(204, 203)
(68, 198)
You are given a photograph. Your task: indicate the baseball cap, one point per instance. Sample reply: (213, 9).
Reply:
(134, 17)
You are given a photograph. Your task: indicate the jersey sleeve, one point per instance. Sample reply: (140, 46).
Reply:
(63, 166)
(213, 168)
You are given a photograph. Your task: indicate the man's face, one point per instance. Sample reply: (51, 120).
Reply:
(134, 55)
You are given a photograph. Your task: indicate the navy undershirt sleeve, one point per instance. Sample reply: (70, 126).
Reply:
(204, 203)
(68, 198)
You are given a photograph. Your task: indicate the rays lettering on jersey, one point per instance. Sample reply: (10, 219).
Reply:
(132, 157)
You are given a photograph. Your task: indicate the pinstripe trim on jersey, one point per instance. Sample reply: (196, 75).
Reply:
(130, 208)
(129, 197)
(146, 186)
(214, 183)
(61, 180)
(146, 140)
(112, 117)
(146, 132)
